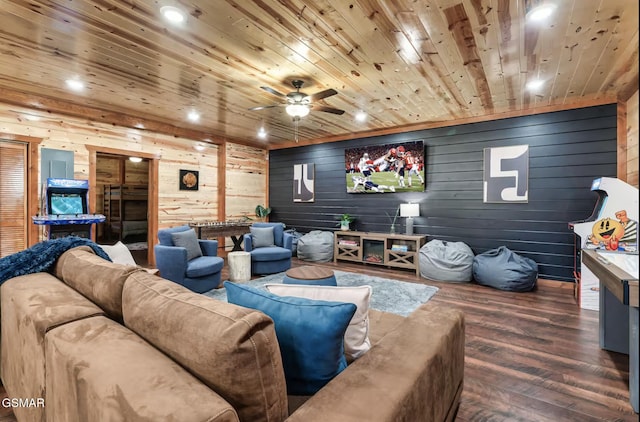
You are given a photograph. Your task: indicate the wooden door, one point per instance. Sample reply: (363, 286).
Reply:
(13, 197)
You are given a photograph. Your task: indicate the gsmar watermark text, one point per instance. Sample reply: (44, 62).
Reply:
(22, 402)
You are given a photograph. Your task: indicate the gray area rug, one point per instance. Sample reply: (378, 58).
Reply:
(397, 297)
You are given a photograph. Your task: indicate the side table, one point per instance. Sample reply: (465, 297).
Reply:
(239, 266)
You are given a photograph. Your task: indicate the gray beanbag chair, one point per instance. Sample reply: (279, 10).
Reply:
(505, 270)
(446, 261)
(316, 246)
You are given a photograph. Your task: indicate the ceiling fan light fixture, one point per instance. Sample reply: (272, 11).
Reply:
(297, 110)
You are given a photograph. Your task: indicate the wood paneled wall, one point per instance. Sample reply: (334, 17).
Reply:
(246, 183)
(568, 149)
(247, 166)
(632, 139)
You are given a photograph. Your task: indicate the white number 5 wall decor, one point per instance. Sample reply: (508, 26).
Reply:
(303, 183)
(506, 174)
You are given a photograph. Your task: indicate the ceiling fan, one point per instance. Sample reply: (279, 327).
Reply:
(298, 104)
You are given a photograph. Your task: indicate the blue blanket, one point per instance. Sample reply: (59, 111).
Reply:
(42, 256)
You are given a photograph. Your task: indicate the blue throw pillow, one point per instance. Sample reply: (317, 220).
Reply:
(310, 334)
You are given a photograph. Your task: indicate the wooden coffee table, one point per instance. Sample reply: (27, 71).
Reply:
(309, 275)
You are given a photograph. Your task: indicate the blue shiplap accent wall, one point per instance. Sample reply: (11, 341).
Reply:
(567, 150)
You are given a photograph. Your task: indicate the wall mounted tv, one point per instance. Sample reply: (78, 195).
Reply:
(385, 168)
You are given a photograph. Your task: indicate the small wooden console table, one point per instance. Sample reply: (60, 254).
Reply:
(391, 250)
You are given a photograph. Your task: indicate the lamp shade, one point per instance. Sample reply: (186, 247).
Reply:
(297, 110)
(409, 210)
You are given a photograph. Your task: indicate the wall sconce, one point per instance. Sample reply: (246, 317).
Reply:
(409, 211)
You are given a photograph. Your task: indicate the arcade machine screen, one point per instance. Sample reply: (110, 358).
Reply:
(66, 204)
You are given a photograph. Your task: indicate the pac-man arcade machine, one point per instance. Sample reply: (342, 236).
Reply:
(611, 226)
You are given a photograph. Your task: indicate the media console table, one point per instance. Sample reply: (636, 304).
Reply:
(391, 250)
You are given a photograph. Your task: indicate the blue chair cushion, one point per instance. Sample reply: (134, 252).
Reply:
(188, 240)
(329, 281)
(203, 266)
(274, 253)
(278, 231)
(262, 237)
(164, 235)
(310, 334)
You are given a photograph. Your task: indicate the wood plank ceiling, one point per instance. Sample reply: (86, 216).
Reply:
(403, 62)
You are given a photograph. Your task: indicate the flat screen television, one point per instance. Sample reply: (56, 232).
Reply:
(66, 204)
(385, 168)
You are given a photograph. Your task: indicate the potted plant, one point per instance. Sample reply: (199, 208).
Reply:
(262, 212)
(345, 220)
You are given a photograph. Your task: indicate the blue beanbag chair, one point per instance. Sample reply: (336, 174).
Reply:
(505, 270)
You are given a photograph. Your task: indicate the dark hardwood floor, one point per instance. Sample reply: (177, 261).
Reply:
(529, 356)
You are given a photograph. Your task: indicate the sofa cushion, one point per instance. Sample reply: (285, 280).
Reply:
(262, 237)
(97, 279)
(356, 338)
(117, 375)
(32, 305)
(188, 240)
(119, 254)
(204, 265)
(310, 334)
(231, 349)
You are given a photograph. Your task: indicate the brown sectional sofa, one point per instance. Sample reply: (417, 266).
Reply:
(101, 341)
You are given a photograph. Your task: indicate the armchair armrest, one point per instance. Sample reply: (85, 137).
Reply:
(171, 261)
(248, 242)
(287, 241)
(209, 247)
(413, 373)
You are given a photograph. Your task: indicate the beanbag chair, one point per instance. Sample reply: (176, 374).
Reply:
(296, 236)
(446, 261)
(505, 270)
(316, 246)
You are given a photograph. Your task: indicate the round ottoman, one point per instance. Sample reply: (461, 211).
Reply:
(239, 266)
(310, 275)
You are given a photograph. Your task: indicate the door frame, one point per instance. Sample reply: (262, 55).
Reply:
(33, 158)
(152, 203)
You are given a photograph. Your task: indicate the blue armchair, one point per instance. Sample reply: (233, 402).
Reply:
(269, 255)
(201, 273)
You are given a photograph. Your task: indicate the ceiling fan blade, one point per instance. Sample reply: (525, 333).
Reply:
(328, 109)
(322, 94)
(273, 91)
(264, 106)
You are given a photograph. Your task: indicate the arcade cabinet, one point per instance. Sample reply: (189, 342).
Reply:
(65, 206)
(611, 227)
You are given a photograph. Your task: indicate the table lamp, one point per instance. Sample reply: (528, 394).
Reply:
(409, 211)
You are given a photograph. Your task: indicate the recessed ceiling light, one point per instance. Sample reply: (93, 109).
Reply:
(31, 117)
(361, 116)
(199, 147)
(542, 12)
(173, 14)
(193, 116)
(535, 84)
(262, 134)
(74, 84)
(135, 159)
